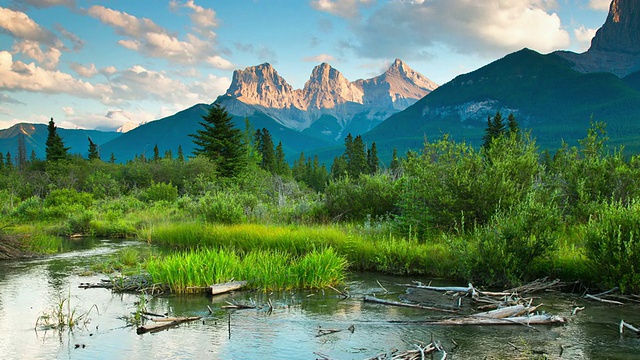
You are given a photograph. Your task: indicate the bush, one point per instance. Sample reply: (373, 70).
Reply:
(222, 207)
(613, 244)
(368, 196)
(62, 197)
(160, 192)
(29, 209)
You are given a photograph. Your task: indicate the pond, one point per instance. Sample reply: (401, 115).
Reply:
(29, 288)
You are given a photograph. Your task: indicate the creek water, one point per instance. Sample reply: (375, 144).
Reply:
(31, 288)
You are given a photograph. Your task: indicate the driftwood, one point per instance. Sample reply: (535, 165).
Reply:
(164, 323)
(613, 302)
(545, 319)
(624, 325)
(455, 289)
(222, 288)
(418, 353)
(376, 300)
(237, 306)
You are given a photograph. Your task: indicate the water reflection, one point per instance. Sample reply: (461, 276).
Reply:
(288, 331)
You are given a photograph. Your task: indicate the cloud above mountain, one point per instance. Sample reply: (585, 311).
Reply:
(411, 29)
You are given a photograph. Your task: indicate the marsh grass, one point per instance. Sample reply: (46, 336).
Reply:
(62, 316)
(41, 243)
(191, 270)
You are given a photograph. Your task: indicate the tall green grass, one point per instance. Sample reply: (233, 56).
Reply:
(191, 270)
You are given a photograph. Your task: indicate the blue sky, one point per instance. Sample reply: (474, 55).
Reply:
(99, 64)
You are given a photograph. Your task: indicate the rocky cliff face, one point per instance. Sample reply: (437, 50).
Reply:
(616, 46)
(621, 32)
(326, 93)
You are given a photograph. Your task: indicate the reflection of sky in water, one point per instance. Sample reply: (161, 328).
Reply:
(289, 332)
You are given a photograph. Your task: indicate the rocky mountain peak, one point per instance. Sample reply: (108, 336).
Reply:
(260, 85)
(327, 87)
(621, 31)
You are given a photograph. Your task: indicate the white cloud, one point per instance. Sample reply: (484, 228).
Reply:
(411, 29)
(322, 58)
(148, 38)
(203, 19)
(21, 26)
(6, 99)
(584, 35)
(84, 71)
(16, 75)
(49, 59)
(602, 5)
(68, 110)
(341, 8)
(109, 70)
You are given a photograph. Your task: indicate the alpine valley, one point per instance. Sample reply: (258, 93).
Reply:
(556, 96)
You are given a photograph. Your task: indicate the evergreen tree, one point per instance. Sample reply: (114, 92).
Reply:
(357, 158)
(495, 128)
(93, 150)
(251, 141)
(180, 154)
(55, 146)
(112, 159)
(33, 156)
(512, 125)
(339, 167)
(168, 154)
(1, 161)
(265, 148)
(22, 153)
(282, 167)
(221, 142)
(299, 168)
(372, 159)
(395, 162)
(8, 163)
(156, 153)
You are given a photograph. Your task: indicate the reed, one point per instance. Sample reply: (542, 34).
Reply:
(191, 270)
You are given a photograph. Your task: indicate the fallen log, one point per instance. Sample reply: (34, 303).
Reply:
(376, 300)
(469, 289)
(163, 324)
(511, 311)
(544, 319)
(613, 302)
(628, 326)
(222, 288)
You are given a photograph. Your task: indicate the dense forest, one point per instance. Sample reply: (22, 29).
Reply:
(501, 214)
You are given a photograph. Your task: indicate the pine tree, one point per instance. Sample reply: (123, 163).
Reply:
(168, 154)
(33, 157)
(395, 162)
(180, 154)
(112, 159)
(221, 142)
(357, 158)
(282, 167)
(1, 161)
(55, 146)
(93, 150)
(265, 148)
(512, 125)
(156, 153)
(372, 159)
(495, 128)
(298, 168)
(22, 153)
(339, 167)
(8, 163)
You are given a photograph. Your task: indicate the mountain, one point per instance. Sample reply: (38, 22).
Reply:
(543, 91)
(616, 45)
(35, 136)
(173, 131)
(329, 105)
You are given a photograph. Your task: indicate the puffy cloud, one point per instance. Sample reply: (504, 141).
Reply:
(342, 8)
(49, 59)
(584, 35)
(204, 19)
(602, 5)
(109, 70)
(21, 26)
(410, 29)
(16, 75)
(322, 58)
(148, 38)
(68, 110)
(84, 71)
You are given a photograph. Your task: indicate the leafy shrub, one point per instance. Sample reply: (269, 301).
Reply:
(80, 222)
(61, 197)
(29, 209)
(102, 185)
(222, 207)
(613, 244)
(160, 192)
(367, 196)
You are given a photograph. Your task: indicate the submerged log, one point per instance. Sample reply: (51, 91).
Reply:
(613, 302)
(164, 323)
(373, 299)
(628, 326)
(226, 287)
(544, 319)
(506, 312)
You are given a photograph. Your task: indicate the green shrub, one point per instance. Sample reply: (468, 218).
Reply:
(222, 207)
(367, 196)
(160, 192)
(61, 197)
(613, 244)
(29, 209)
(80, 222)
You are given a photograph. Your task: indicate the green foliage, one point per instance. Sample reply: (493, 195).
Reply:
(55, 149)
(221, 142)
(223, 207)
(93, 150)
(160, 192)
(66, 197)
(612, 237)
(80, 222)
(514, 240)
(354, 199)
(29, 209)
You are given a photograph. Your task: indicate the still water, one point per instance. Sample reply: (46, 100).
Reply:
(32, 287)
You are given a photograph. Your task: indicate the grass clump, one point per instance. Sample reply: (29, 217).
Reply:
(62, 316)
(191, 270)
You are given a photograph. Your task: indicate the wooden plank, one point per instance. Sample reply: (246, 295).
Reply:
(376, 300)
(226, 287)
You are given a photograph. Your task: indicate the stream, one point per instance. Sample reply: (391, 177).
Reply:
(30, 288)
